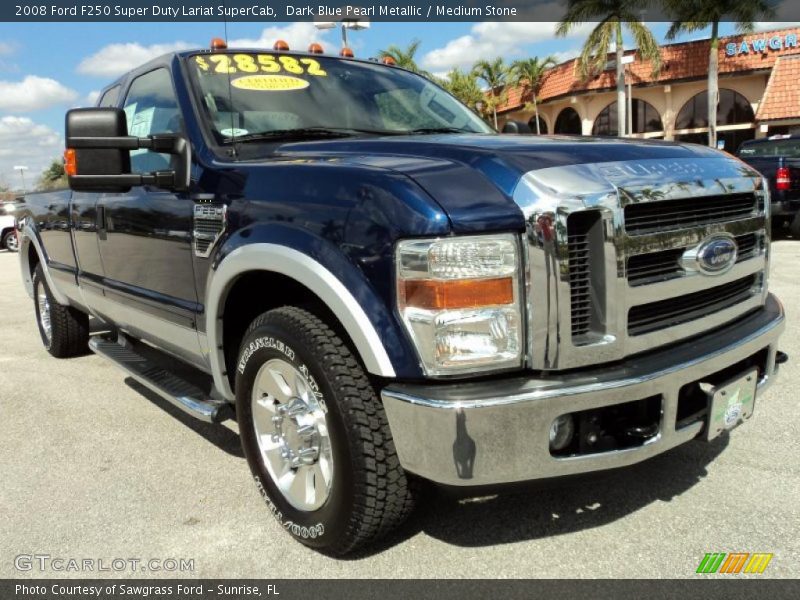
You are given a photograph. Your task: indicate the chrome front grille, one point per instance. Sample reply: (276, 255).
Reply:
(644, 269)
(610, 264)
(684, 213)
(662, 314)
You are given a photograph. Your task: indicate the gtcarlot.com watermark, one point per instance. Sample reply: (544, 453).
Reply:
(64, 564)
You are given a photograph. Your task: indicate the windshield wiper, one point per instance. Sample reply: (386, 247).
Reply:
(427, 130)
(303, 133)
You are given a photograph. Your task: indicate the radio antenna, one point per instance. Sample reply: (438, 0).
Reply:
(234, 151)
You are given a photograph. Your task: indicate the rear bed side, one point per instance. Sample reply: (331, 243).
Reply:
(44, 222)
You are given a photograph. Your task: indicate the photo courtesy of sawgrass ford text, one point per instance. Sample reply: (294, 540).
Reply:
(359, 299)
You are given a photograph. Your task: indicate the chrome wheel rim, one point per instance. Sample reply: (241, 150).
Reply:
(292, 434)
(44, 313)
(12, 243)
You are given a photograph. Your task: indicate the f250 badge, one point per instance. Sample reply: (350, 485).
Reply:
(716, 255)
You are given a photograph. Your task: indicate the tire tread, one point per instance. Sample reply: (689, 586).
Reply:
(384, 494)
(70, 327)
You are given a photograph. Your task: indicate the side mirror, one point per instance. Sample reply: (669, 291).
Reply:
(98, 153)
(516, 127)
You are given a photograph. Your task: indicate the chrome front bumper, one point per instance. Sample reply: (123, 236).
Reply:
(472, 434)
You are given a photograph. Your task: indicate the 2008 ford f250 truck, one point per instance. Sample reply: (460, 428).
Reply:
(386, 291)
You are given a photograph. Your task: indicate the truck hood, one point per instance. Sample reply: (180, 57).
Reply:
(488, 182)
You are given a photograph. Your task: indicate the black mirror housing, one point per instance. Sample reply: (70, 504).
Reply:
(99, 138)
(98, 123)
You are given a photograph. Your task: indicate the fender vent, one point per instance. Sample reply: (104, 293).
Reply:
(583, 296)
(209, 224)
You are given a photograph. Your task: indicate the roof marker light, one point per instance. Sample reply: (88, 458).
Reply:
(218, 44)
(388, 60)
(281, 46)
(315, 48)
(346, 52)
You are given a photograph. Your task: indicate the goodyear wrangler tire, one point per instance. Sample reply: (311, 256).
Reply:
(315, 434)
(64, 329)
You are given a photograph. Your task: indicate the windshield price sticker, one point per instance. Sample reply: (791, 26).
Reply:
(269, 83)
(230, 64)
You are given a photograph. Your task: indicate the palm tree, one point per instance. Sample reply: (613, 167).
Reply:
(693, 15)
(612, 15)
(494, 73)
(529, 72)
(463, 86)
(404, 57)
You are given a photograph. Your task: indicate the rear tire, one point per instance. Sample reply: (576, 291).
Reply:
(315, 434)
(64, 329)
(794, 227)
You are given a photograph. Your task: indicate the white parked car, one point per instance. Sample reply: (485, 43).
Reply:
(8, 235)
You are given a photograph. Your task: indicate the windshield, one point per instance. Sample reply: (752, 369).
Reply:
(788, 148)
(280, 95)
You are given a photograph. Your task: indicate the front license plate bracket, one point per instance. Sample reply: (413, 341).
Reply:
(731, 403)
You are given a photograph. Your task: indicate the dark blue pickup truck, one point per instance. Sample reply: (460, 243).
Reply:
(385, 292)
(778, 160)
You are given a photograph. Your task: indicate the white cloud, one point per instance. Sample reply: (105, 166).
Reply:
(773, 25)
(116, 59)
(34, 93)
(91, 98)
(25, 142)
(491, 39)
(7, 48)
(566, 55)
(298, 35)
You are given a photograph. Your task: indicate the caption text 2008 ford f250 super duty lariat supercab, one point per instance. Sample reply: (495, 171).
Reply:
(385, 291)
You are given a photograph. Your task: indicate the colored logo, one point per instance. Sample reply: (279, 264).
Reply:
(715, 255)
(734, 563)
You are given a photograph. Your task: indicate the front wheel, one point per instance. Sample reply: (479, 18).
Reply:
(10, 241)
(315, 434)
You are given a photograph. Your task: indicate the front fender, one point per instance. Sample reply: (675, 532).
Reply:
(324, 270)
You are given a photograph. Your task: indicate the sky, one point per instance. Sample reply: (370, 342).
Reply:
(46, 68)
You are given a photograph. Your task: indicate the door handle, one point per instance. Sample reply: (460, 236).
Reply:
(102, 231)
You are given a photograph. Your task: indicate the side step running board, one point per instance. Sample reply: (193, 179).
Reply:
(182, 394)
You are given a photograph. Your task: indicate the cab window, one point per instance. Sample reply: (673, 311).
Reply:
(151, 106)
(109, 98)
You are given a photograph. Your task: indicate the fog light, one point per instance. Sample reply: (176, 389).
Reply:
(561, 432)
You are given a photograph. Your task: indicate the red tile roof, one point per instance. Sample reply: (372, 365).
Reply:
(683, 61)
(782, 96)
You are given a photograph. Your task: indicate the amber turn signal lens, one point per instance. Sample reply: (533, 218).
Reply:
(388, 60)
(218, 44)
(459, 293)
(346, 53)
(315, 48)
(70, 163)
(280, 46)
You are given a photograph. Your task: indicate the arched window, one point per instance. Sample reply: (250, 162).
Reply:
(542, 125)
(733, 108)
(568, 122)
(645, 119)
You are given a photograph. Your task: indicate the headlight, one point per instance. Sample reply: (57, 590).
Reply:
(459, 300)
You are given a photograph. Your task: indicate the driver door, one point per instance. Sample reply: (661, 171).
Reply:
(145, 235)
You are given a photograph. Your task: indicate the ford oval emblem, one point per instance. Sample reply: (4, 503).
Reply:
(716, 255)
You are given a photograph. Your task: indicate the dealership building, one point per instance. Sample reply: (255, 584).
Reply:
(759, 93)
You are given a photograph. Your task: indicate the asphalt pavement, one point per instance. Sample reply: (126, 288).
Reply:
(95, 467)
